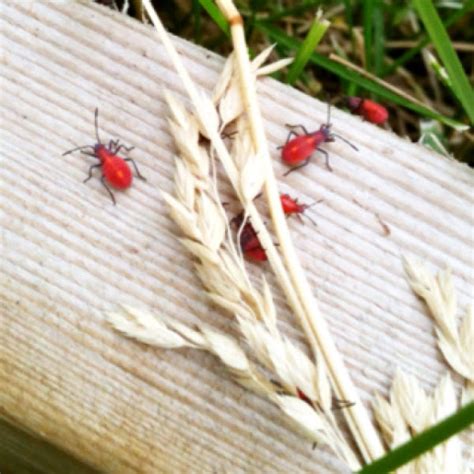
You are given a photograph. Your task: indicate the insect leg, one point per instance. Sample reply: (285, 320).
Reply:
(112, 145)
(78, 148)
(310, 219)
(136, 168)
(102, 180)
(297, 126)
(341, 404)
(88, 153)
(126, 148)
(98, 165)
(326, 155)
(297, 167)
(288, 138)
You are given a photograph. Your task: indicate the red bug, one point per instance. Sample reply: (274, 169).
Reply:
(115, 169)
(297, 151)
(370, 110)
(292, 206)
(249, 241)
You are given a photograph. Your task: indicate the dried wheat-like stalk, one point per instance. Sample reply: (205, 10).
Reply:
(302, 387)
(313, 322)
(222, 272)
(456, 344)
(297, 291)
(312, 421)
(170, 334)
(227, 94)
(210, 127)
(410, 411)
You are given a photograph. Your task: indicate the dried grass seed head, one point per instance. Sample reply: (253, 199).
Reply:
(143, 327)
(439, 294)
(185, 184)
(211, 222)
(215, 279)
(185, 218)
(294, 369)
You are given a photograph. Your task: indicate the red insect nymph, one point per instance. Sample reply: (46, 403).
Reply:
(115, 169)
(372, 111)
(292, 206)
(297, 151)
(249, 242)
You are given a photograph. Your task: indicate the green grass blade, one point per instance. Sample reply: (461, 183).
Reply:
(348, 9)
(315, 33)
(373, 35)
(423, 442)
(368, 21)
(424, 40)
(439, 36)
(296, 10)
(197, 21)
(379, 40)
(214, 12)
(344, 73)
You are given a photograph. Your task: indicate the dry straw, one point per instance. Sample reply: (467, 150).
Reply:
(312, 321)
(299, 387)
(296, 288)
(294, 285)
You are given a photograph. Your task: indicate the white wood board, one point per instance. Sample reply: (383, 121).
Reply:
(68, 254)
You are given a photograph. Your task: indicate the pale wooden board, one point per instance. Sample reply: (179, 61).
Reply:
(69, 254)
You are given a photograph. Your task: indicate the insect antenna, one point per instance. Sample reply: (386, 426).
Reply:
(329, 114)
(314, 203)
(307, 216)
(328, 100)
(96, 123)
(345, 140)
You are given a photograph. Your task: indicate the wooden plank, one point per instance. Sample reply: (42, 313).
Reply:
(69, 254)
(23, 453)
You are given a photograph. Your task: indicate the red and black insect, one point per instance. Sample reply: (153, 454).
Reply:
(291, 206)
(249, 241)
(372, 111)
(297, 151)
(115, 170)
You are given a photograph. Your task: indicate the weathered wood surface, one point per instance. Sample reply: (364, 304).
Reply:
(68, 254)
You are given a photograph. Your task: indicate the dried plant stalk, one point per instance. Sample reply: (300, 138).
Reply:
(313, 422)
(208, 119)
(169, 334)
(314, 324)
(222, 272)
(357, 417)
(301, 388)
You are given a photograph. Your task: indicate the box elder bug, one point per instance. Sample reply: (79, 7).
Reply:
(249, 241)
(292, 206)
(297, 151)
(371, 111)
(115, 169)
